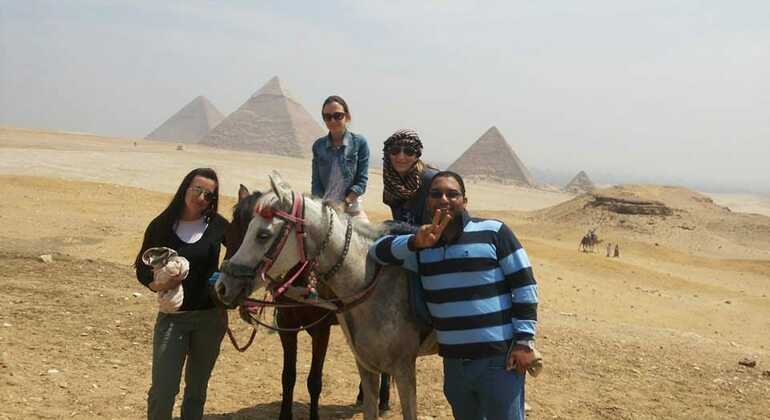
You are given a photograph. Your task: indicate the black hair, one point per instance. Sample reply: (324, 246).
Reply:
(450, 174)
(173, 212)
(339, 100)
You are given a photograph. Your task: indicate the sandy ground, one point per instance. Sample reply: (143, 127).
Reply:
(159, 166)
(657, 333)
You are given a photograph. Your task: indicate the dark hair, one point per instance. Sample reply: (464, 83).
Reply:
(450, 174)
(339, 100)
(173, 212)
(169, 216)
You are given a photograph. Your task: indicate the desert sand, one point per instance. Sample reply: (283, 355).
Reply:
(656, 333)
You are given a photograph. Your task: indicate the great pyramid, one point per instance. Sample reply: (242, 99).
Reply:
(491, 158)
(271, 121)
(581, 183)
(189, 124)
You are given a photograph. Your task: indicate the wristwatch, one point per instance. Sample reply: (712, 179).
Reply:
(530, 344)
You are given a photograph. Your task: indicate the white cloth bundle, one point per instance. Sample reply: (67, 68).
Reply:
(166, 263)
(169, 301)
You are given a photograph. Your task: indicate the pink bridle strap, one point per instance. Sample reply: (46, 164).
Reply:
(285, 286)
(298, 222)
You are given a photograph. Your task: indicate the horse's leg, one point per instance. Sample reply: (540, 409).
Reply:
(289, 375)
(406, 383)
(384, 392)
(320, 336)
(369, 382)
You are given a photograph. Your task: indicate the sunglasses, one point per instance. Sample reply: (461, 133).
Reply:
(339, 116)
(407, 150)
(207, 195)
(451, 194)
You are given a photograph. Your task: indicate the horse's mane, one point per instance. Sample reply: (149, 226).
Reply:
(242, 210)
(374, 231)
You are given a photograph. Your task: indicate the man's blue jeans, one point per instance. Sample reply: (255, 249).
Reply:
(481, 389)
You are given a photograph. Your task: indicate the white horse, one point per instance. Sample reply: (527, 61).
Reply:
(373, 301)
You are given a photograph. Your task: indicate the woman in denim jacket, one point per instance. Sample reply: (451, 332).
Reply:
(340, 160)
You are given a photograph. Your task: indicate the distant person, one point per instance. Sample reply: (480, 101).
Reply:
(482, 297)
(191, 226)
(340, 160)
(609, 249)
(617, 251)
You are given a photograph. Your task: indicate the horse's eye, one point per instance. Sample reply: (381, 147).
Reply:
(263, 235)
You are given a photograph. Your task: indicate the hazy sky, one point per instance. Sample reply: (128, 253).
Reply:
(665, 91)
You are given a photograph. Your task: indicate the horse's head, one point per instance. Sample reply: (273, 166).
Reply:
(268, 244)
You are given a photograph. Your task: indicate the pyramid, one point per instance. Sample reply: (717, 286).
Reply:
(491, 158)
(189, 124)
(581, 183)
(271, 121)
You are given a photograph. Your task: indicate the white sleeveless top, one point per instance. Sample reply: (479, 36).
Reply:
(190, 231)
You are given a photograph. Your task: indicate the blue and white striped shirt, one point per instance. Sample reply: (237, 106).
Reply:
(479, 289)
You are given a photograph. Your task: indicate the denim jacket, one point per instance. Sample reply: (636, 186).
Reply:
(355, 169)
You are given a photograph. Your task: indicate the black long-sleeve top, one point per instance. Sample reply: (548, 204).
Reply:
(203, 256)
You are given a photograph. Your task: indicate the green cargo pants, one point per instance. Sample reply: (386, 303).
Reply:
(196, 337)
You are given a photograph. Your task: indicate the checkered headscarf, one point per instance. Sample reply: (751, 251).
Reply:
(397, 189)
(405, 137)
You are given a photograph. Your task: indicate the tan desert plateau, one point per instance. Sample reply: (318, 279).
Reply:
(677, 327)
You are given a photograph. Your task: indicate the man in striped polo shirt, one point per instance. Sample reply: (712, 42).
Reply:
(482, 298)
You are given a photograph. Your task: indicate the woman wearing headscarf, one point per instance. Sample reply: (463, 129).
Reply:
(406, 181)
(406, 177)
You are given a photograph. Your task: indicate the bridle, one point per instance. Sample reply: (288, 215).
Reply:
(305, 267)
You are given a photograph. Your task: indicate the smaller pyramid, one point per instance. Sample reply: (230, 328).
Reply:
(581, 183)
(491, 158)
(190, 124)
(271, 121)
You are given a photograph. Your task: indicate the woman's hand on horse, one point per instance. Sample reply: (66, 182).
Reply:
(428, 235)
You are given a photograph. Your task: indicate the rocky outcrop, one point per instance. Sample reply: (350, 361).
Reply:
(629, 206)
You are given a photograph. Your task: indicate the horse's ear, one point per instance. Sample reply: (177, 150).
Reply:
(243, 192)
(281, 189)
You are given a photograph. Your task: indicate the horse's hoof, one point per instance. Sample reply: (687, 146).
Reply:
(384, 407)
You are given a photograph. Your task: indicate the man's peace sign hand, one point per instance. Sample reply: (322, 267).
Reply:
(428, 235)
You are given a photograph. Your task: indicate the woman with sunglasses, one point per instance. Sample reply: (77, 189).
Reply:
(340, 160)
(406, 178)
(191, 226)
(406, 181)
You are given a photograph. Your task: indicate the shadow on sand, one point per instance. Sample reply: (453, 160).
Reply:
(300, 411)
